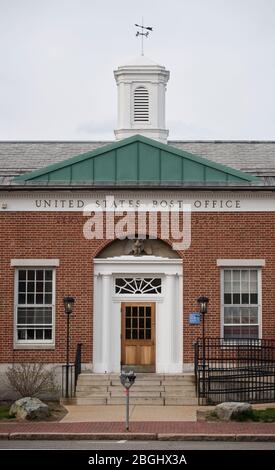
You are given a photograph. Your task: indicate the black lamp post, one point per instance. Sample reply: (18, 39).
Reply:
(203, 303)
(68, 306)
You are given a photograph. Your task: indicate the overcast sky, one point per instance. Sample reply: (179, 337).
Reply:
(58, 56)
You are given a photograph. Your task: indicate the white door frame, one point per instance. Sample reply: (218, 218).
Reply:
(107, 310)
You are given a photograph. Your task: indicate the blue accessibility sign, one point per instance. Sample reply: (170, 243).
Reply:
(194, 318)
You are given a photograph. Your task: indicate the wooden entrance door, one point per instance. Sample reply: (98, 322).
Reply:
(138, 334)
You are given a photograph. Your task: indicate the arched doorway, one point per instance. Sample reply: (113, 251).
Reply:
(138, 308)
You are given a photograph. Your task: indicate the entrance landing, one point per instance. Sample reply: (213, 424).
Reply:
(116, 413)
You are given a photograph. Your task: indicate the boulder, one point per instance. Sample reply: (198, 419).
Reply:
(231, 410)
(29, 408)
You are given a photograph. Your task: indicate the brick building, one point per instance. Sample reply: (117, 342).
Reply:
(136, 230)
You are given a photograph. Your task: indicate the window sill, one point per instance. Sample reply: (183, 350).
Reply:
(34, 346)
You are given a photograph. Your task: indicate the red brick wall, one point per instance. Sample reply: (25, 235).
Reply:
(59, 235)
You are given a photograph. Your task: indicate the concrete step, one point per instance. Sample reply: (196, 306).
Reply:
(119, 394)
(85, 386)
(99, 376)
(138, 388)
(90, 401)
(146, 394)
(92, 383)
(149, 376)
(135, 394)
(99, 388)
(136, 401)
(96, 377)
(177, 394)
(139, 377)
(149, 389)
(177, 383)
(170, 388)
(142, 382)
(178, 376)
(92, 394)
(177, 401)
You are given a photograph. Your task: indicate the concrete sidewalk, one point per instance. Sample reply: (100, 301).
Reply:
(116, 413)
(146, 423)
(138, 413)
(149, 430)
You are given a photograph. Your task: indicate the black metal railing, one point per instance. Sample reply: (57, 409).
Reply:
(77, 362)
(73, 372)
(234, 370)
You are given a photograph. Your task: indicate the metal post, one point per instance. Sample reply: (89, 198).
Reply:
(203, 357)
(68, 357)
(127, 380)
(127, 409)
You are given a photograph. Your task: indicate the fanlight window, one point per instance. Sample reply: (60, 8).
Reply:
(141, 104)
(127, 285)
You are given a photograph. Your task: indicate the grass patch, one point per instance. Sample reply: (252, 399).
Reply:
(265, 416)
(4, 411)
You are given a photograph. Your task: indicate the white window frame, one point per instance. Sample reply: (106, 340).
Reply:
(138, 297)
(244, 267)
(142, 294)
(34, 344)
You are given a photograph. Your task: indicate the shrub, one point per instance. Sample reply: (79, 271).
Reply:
(32, 380)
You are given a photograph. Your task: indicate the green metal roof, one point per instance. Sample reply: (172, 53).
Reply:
(137, 161)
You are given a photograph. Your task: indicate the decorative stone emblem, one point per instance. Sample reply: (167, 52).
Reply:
(138, 248)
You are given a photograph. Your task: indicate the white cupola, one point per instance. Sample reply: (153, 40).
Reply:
(141, 85)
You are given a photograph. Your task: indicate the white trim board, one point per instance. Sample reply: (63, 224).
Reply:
(140, 260)
(241, 262)
(204, 201)
(34, 262)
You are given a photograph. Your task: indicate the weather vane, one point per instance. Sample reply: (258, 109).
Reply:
(144, 31)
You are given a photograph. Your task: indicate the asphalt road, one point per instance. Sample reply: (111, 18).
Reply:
(136, 445)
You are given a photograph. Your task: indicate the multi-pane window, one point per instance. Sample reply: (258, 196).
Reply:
(34, 305)
(135, 285)
(138, 322)
(241, 303)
